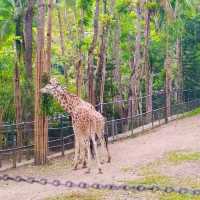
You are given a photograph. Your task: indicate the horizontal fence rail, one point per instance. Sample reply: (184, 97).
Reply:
(119, 121)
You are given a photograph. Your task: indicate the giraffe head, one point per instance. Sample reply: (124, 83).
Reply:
(67, 101)
(50, 87)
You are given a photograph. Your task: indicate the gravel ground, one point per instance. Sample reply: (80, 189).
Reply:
(127, 157)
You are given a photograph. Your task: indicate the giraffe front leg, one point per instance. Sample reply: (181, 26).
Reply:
(84, 163)
(83, 151)
(89, 156)
(77, 149)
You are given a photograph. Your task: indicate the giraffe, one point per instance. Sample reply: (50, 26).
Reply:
(86, 121)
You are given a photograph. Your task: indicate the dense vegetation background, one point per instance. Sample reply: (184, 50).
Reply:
(102, 50)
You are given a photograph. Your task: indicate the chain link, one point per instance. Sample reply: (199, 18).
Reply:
(98, 186)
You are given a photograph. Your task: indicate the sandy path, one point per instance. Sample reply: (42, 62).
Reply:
(178, 135)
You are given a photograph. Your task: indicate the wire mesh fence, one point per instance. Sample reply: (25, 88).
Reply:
(120, 120)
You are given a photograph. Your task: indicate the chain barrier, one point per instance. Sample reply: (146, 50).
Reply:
(99, 186)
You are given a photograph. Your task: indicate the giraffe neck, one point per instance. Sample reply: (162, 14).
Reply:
(66, 100)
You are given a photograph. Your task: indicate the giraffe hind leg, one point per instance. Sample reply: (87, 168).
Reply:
(104, 146)
(96, 153)
(87, 143)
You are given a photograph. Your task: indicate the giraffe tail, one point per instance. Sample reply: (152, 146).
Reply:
(105, 136)
(106, 139)
(92, 149)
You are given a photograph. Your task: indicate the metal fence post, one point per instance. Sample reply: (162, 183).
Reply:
(131, 116)
(0, 160)
(152, 118)
(14, 159)
(159, 118)
(62, 138)
(188, 100)
(166, 112)
(113, 128)
(106, 127)
(101, 107)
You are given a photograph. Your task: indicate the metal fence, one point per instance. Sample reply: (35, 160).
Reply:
(119, 121)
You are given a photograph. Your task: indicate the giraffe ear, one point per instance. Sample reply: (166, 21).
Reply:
(53, 81)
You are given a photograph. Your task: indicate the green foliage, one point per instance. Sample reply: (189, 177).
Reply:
(90, 195)
(45, 79)
(152, 5)
(179, 157)
(193, 113)
(86, 6)
(151, 175)
(46, 98)
(151, 180)
(78, 16)
(47, 104)
(106, 19)
(191, 49)
(6, 82)
(123, 6)
(174, 196)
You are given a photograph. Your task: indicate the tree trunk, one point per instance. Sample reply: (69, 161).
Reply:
(62, 42)
(28, 38)
(168, 84)
(41, 131)
(116, 57)
(168, 9)
(49, 37)
(17, 92)
(171, 15)
(79, 63)
(18, 34)
(136, 67)
(179, 77)
(101, 70)
(28, 112)
(147, 67)
(18, 108)
(2, 138)
(91, 92)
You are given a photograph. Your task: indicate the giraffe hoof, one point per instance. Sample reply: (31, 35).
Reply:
(87, 172)
(109, 160)
(75, 167)
(84, 165)
(100, 171)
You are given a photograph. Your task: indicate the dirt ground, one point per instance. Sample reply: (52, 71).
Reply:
(128, 158)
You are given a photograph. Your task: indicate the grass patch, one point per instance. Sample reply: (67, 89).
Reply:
(174, 196)
(193, 113)
(58, 166)
(180, 157)
(190, 182)
(151, 180)
(150, 176)
(150, 169)
(89, 195)
(127, 169)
